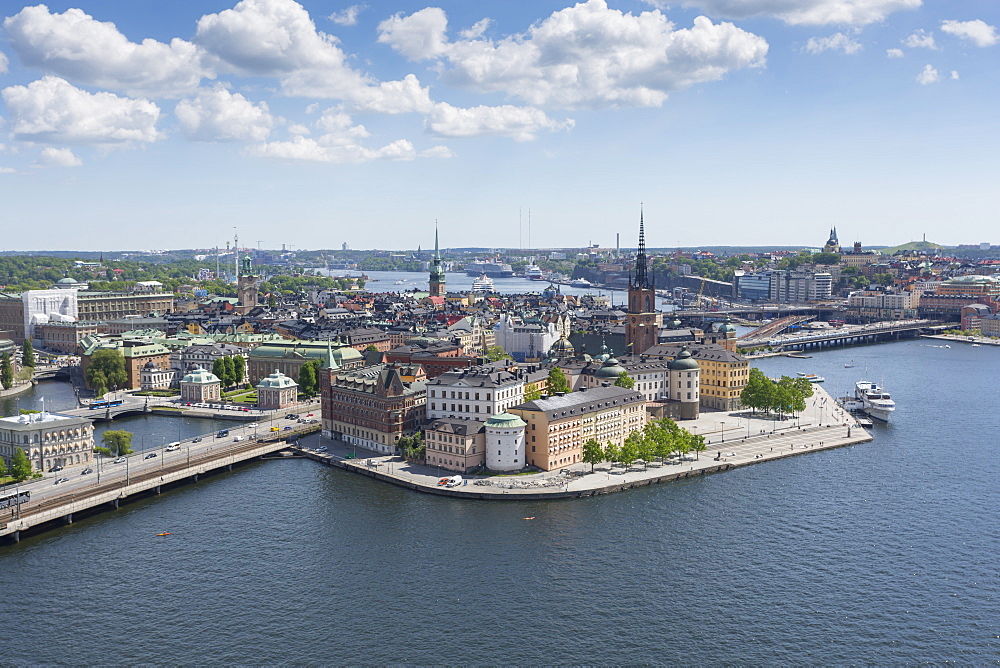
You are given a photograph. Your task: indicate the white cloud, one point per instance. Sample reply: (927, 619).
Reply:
(3, 63)
(477, 30)
(976, 31)
(392, 97)
(417, 36)
(894, 53)
(585, 55)
(58, 157)
(835, 42)
(954, 75)
(921, 39)
(518, 123)
(51, 110)
(348, 16)
(311, 150)
(928, 76)
(218, 115)
(804, 12)
(437, 152)
(75, 46)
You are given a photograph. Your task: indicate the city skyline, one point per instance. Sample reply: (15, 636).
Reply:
(311, 124)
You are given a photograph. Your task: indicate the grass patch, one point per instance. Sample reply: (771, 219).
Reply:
(168, 408)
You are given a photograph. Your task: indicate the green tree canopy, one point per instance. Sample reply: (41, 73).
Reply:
(239, 369)
(612, 453)
(117, 442)
(28, 354)
(532, 393)
(20, 466)
(826, 258)
(496, 353)
(111, 364)
(6, 371)
(593, 453)
(557, 381)
(309, 378)
(624, 380)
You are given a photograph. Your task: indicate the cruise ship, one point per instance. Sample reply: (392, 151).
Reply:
(874, 401)
(534, 272)
(492, 268)
(483, 284)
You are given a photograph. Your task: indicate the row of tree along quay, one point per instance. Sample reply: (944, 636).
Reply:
(786, 396)
(658, 440)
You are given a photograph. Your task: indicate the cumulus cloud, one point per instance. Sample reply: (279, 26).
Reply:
(75, 46)
(312, 150)
(835, 42)
(976, 31)
(51, 110)
(894, 53)
(58, 157)
(954, 75)
(3, 63)
(921, 39)
(518, 123)
(585, 55)
(929, 75)
(218, 115)
(417, 36)
(437, 152)
(348, 16)
(804, 12)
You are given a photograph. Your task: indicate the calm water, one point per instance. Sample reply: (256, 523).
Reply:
(881, 553)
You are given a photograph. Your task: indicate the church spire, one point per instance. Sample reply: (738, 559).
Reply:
(641, 277)
(437, 271)
(437, 253)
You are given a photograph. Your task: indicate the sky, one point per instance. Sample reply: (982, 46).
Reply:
(156, 124)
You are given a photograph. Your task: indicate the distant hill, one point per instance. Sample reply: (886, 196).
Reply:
(914, 246)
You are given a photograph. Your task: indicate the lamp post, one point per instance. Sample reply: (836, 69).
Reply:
(723, 431)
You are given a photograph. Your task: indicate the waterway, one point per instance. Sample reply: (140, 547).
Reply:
(880, 553)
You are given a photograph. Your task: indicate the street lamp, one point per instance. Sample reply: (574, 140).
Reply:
(723, 431)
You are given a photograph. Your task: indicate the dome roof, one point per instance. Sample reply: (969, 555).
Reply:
(562, 348)
(505, 421)
(151, 365)
(610, 369)
(674, 323)
(683, 362)
(66, 281)
(605, 353)
(276, 381)
(200, 376)
(727, 327)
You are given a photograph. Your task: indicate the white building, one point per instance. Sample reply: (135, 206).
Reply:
(504, 443)
(48, 439)
(477, 393)
(525, 341)
(42, 306)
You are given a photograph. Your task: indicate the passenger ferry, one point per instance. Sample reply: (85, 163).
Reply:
(534, 272)
(483, 284)
(874, 401)
(811, 377)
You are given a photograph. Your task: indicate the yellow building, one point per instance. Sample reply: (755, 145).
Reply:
(558, 426)
(724, 373)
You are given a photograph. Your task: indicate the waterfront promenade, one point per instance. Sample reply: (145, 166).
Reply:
(733, 439)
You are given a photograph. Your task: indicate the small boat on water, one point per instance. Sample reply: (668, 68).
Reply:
(849, 365)
(483, 284)
(875, 402)
(811, 377)
(799, 357)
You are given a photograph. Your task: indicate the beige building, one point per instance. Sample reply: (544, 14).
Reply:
(201, 386)
(105, 306)
(277, 391)
(48, 439)
(558, 426)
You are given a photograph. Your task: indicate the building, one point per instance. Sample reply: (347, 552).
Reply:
(63, 337)
(990, 325)
(277, 391)
(643, 324)
(247, 286)
(525, 341)
(504, 442)
(436, 284)
(876, 305)
(556, 427)
(48, 439)
(947, 301)
(137, 352)
(859, 258)
(372, 406)
(832, 244)
(289, 356)
(152, 377)
(201, 386)
(722, 374)
(455, 444)
(106, 306)
(476, 393)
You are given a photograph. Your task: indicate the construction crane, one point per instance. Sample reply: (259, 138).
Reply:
(700, 291)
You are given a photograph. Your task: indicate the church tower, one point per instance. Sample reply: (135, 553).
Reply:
(642, 328)
(437, 273)
(246, 285)
(832, 244)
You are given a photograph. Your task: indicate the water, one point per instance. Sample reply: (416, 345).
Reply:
(880, 553)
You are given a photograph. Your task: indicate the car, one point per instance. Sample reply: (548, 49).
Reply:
(86, 471)
(120, 460)
(275, 428)
(237, 438)
(172, 447)
(55, 469)
(310, 415)
(349, 455)
(288, 427)
(291, 416)
(196, 439)
(321, 448)
(61, 480)
(150, 455)
(252, 425)
(222, 433)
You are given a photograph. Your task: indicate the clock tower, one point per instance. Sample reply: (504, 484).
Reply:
(436, 283)
(642, 328)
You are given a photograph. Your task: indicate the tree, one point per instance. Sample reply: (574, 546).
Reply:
(630, 450)
(110, 363)
(117, 442)
(532, 393)
(612, 452)
(496, 353)
(309, 378)
(271, 301)
(413, 446)
(28, 354)
(593, 453)
(826, 258)
(698, 444)
(20, 466)
(3, 467)
(757, 392)
(239, 369)
(6, 371)
(557, 381)
(883, 279)
(624, 380)
(219, 370)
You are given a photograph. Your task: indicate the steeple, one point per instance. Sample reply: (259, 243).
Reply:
(437, 272)
(641, 278)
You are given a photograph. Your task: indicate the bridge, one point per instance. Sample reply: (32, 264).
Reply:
(844, 336)
(94, 493)
(776, 327)
(129, 406)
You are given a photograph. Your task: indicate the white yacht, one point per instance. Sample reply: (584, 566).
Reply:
(580, 283)
(483, 284)
(874, 401)
(811, 377)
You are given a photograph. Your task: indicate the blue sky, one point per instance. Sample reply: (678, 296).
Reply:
(167, 123)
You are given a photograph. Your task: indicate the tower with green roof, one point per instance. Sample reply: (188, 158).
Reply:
(437, 272)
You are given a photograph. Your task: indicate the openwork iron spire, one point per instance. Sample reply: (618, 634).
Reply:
(641, 277)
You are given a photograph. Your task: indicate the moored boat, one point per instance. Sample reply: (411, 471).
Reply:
(875, 402)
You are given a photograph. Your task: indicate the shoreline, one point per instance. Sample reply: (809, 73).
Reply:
(803, 435)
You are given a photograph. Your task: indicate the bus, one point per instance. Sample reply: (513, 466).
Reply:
(9, 500)
(105, 403)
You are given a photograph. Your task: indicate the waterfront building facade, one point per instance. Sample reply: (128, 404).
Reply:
(277, 391)
(200, 386)
(48, 439)
(455, 444)
(476, 393)
(289, 356)
(722, 374)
